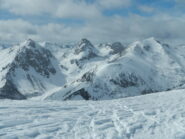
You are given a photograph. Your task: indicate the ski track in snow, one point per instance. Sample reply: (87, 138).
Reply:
(156, 116)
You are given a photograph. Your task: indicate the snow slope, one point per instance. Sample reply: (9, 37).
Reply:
(154, 116)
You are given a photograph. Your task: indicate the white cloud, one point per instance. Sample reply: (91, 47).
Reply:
(77, 10)
(56, 8)
(145, 8)
(109, 4)
(103, 29)
(96, 27)
(15, 30)
(29, 7)
(62, 8)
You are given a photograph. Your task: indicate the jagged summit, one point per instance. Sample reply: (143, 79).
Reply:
(85, 46)
(31, 43)
(85, 41)
(86, 50)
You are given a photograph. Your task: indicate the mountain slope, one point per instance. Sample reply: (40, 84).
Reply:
(144, 67)
(28, 70)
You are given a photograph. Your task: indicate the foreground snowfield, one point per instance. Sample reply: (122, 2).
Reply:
(154, 116)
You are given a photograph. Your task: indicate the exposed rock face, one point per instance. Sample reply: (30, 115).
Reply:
(10, 91)
(88, 76)
(37, 58)
(127, 80)
(117, 48)
(31, 66)
(84, 45)
(82, 93)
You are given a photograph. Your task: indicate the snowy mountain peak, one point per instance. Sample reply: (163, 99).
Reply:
(85, 42)
(28, 69)
(39, 59)
(86, 49)
(30, 42)
(152, 40)
(84, 45)
(150, 45)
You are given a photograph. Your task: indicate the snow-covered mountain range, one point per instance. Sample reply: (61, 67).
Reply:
(92, 72)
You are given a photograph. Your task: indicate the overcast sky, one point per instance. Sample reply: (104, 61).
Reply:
(97, 20)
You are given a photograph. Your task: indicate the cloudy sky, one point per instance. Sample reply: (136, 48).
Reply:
(97, 20)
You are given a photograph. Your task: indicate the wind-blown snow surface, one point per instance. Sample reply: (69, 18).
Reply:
(154, 116)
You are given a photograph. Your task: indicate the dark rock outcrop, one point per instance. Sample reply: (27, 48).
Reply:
(10, 91)
(117, 48)
(82, 92)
